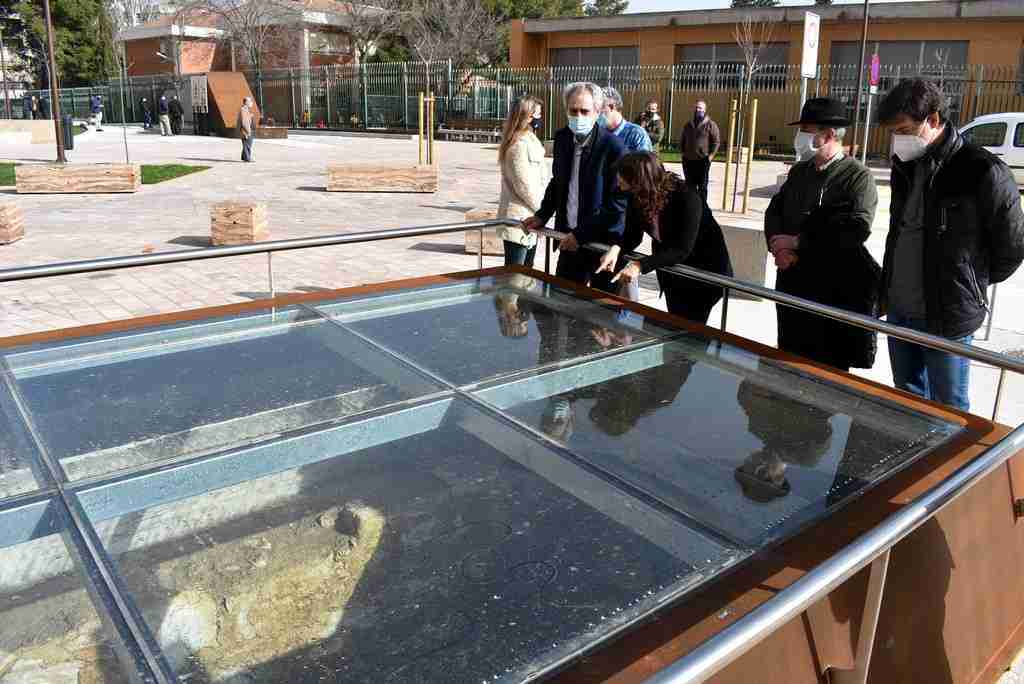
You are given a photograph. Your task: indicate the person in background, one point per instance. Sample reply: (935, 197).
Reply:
(164, 110)
(816, 227)
(147, 115)
(177, 115)
(682, 230)
(28, 107)
(44, 107)
(582, 194)
(699, 145)
(633, 138)
(246, 128)
(523, 180)
(96, 110)
(955, 226)
(537, 122)
(652, 123)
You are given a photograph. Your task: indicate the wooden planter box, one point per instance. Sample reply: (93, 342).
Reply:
(381, 178)
(271, 133)
(492, 243)
(77, 178)
(12, 223)
(238, 223)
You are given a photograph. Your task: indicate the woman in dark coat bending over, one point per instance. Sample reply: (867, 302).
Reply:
(682, 229)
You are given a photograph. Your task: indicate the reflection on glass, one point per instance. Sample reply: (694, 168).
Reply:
(18, 456)
(50, 633)
(106, 405)
(469, 335)
(750, 450)
(467, 552)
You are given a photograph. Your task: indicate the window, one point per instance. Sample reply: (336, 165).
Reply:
(603, 56)
(987, 135)
(720, 65)
(1018, 136)
(329, 43)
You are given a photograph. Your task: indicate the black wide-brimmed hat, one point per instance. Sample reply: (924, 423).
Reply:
(823, 111)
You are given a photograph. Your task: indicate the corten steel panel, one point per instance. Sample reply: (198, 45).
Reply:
(948, 565)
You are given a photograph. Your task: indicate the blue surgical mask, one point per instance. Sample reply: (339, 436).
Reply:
(602, 121)
(581, 125)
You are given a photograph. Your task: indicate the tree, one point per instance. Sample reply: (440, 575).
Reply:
(505, 10)
(128, 13)
(83, 40)
(369, 25)
(460, 30)
(753, 36)
(602, 8)
(755, 3)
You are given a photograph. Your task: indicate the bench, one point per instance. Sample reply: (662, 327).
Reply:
(472, 130)
(12, 223)
(238, 223)
(493, 245)
(77, 178)
(381, 178)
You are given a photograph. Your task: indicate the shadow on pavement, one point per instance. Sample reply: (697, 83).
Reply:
(440, 248)
(191, 240)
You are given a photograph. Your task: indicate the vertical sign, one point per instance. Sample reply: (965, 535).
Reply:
(812, 27)
(876, 71)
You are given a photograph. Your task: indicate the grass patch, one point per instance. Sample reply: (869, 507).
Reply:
(158, 173)
(7, 174)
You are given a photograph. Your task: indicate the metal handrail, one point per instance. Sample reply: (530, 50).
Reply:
(711, 656)
(732, 642)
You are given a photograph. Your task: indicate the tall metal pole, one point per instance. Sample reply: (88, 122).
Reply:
(860, 74)
(3, 72)
(54, 93)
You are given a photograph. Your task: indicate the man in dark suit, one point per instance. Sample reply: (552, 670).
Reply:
(583, 195)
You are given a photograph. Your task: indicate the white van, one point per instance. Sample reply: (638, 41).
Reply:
(1003, 136)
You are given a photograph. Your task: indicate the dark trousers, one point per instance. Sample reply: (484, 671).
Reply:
(517, 254)
(247, 149)
(579, 267)
(691, 300)
(176, 122)
(697, 172)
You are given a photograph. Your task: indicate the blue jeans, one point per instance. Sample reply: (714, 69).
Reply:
(930, 373)
(247, 149)
(516, 253)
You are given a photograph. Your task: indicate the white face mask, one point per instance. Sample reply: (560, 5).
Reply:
(804, 145)
(908, 147)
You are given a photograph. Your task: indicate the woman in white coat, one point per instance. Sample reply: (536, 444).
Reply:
(524, 177)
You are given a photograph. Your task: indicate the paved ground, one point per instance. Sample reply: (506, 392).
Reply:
(289, 175)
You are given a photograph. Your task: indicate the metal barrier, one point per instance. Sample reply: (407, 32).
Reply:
(872, 548)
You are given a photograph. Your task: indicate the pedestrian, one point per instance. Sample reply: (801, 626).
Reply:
(523, 181)
(164, 110)
(44, 107)
(147, 115)
(955, 227)
(28, 107)
(634, 138)
(683, 231)
(582, 194)
(537, 121)
(816, 227)
(652, 123)
(246, 128)
(699, 145)
(96, 110)
(177, 115)
(35, 107)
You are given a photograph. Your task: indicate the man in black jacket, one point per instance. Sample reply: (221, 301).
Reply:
(956, 226)
(582, 195)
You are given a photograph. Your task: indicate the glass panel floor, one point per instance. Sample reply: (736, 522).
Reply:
(475, 481)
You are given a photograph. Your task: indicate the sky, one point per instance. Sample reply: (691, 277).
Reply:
(678, 5)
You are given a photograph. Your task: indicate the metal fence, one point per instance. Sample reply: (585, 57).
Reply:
(384, 95)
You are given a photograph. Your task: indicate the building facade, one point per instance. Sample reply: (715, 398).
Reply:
(950, 33)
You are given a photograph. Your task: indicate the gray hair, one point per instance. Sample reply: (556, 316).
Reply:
(840, 133)
(612, 98)
(584, 87)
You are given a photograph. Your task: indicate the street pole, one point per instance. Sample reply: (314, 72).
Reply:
(54, 94)
(3, 72)
(860, 75)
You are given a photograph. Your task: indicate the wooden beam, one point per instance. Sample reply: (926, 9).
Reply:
(381, 178)
(12, 223)
(77, 178)
(238, 223)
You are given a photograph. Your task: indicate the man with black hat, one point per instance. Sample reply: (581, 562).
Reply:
(816, 227)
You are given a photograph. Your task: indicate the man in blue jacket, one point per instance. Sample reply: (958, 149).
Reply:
(633, 137)
(583, 195)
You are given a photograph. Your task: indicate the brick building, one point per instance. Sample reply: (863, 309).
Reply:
(306, 33)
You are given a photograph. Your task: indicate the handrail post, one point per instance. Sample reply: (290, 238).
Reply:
(999, 395)
(547, 255)
(270, 274)
(725, 309)
(868, 625)
(480, 250)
